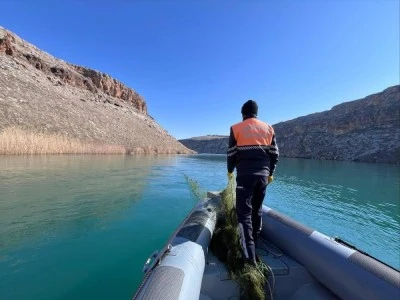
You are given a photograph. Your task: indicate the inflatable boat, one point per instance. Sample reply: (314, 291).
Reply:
(305, 263)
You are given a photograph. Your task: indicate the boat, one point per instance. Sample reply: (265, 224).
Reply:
(304, 263)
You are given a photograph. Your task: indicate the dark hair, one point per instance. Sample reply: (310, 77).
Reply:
(250, 108)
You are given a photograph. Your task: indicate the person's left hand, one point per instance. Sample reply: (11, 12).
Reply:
(230, 175)
(270, 179)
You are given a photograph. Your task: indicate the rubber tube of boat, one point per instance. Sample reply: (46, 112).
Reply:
(179, 273)
(346, 272)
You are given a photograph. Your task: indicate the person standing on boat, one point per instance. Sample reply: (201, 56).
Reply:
(254, 153)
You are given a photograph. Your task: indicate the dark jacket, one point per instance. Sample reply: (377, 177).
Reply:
(252, 148)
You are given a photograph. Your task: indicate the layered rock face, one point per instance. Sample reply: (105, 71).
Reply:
(39, 92)
(366, 130)
(67, 74)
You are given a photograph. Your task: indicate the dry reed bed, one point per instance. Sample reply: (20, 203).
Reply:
(17, 141)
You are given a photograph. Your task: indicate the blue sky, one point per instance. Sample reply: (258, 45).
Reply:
(197, 62)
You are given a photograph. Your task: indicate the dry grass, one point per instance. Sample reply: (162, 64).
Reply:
(155, 150)
(14, 140)
(17, 141)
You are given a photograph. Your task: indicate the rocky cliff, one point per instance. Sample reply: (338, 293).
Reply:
(362, 130)
(216, 144)
(365, 130)
(41, 93)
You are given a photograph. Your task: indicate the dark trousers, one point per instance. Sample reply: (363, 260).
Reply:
(250, 193)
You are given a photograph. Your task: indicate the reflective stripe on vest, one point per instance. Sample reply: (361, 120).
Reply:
(253, 132)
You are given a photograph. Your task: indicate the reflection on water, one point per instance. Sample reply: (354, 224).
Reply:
(81, 227)
(44, 193)
(69, 223)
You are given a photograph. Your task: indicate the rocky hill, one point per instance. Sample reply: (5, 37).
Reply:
(40, 93)
(366, 130)
(207, 144)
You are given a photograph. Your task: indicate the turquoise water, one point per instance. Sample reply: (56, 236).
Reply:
(81, 227)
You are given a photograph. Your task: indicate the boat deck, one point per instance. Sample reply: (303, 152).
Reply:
(290, 281)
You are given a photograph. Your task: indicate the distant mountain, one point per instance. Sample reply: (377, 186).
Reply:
(366, 130)
(42, 94)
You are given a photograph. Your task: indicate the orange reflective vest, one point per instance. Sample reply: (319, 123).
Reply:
(253, 132)
(252, 148)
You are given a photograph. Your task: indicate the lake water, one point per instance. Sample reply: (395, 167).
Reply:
(81, 227)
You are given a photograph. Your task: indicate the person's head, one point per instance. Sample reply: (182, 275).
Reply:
(249, 109)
